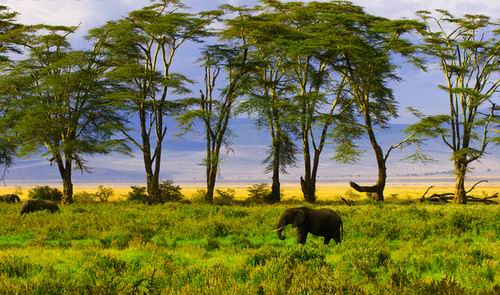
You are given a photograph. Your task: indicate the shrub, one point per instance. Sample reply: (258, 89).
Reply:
(224, 197)
(199, 196)
(259, 193)
(103, 194)
(84, 197)
(170, 192)
(45, 193)
(138, 194)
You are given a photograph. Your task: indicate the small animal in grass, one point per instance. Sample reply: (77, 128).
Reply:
(319, 222)
(10, 198)
(39, 205)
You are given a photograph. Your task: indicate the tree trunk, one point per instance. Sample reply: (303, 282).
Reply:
(378, 188)
(212, 176)
(65, 172)
(212, 162)
(276, 186)
(460, 193)
(153, 188)
(275, 189)
(152, 176)
(308, 187)
(68, 190)
(307, 183)
(382, 174)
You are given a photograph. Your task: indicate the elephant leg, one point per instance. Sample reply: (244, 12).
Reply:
(327, 240)
(336, 237)
(301, 236)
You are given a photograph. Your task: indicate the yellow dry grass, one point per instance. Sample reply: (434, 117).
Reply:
(326, 192)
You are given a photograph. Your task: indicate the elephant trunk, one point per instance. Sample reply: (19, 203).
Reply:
(280, 234)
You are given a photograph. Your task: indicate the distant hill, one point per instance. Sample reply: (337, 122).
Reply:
(183, 157)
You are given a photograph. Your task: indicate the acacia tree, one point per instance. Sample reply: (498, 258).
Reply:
(269, 91)
(320, 91)
(216, 106)
(57, 100)
(142, 48)
(368, 67)
(12, 36)
(468, 52)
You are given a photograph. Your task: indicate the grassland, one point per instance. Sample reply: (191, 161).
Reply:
(325, 192)
(126, 248)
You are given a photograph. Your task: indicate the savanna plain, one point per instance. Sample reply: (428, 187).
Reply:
(186, 247)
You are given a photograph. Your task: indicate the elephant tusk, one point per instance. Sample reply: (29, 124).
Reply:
(279, 228)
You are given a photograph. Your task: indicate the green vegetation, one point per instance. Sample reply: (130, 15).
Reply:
(469, 62)
(45, 193)
(125, 247)
(168, 192)
(102, 195)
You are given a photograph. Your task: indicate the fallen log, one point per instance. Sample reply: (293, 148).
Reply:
(442, 198)
(486, 200)
(347, 202)
(447, 197)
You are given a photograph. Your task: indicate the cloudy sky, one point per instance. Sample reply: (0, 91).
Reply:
(417, 89)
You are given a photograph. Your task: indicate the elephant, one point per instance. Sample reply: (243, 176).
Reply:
(38, 205)
(10, 198)
(321, 222)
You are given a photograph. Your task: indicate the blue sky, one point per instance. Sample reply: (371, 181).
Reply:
(418, 89)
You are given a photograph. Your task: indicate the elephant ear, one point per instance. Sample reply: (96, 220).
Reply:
(299, 219)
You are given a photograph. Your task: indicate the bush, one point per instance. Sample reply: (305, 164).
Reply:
(224, 197)
(138, 194)
(259, 193)
(84, 197)
(45, 193)
(199, 196)
(102, 195)
(170, 192)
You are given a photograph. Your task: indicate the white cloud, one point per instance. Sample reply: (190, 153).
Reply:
(92, 13)
(407, 8)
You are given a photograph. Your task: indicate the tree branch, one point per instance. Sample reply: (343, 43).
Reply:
(398, 145)
(481, 181)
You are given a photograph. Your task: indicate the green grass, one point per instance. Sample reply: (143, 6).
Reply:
(199, 249)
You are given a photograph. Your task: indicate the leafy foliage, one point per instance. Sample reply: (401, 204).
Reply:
(84, 198)
(469, 60)
(141, 50)
(138, 194)
(45, 193)
(168, 193)
(12, 36)
(224, 197)
(102, 195)
(259, 193)
(57, 103)
(216, 106)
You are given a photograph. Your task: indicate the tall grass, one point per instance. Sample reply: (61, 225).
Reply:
(199, 249)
